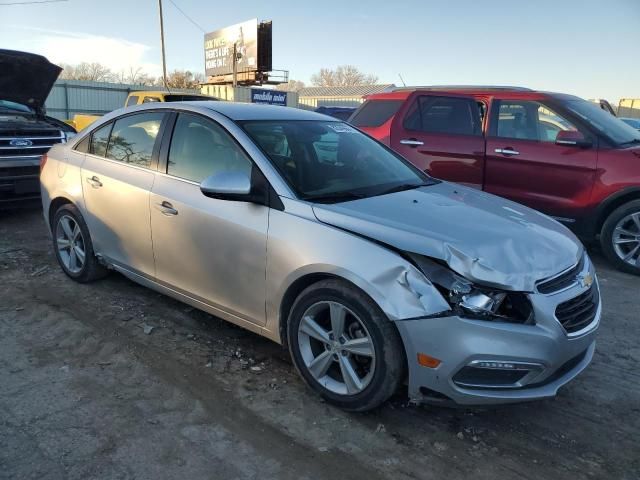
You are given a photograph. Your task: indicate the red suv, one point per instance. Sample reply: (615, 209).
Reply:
(556, 153)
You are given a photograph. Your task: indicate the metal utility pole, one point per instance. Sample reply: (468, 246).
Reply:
(164, 62)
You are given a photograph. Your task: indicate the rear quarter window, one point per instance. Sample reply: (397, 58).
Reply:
(374, 113)
(100, 140)
(83, 145)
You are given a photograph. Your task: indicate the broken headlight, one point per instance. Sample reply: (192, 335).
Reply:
(473, 301)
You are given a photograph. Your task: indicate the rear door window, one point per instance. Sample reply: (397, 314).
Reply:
(374, 113)
(100, 140)
(133, 138)
(150, 99)
(448, 115)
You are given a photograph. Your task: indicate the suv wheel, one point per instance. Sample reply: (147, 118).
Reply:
(344, 346)
(620, 237)
(73, 247)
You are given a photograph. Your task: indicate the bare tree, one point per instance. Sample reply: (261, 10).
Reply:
(344, 75)
(184, 79)
(291, 86)
(87, 71)
(324, 78)
(136, 76)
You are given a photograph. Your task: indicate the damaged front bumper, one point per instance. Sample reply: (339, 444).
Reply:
(482, 362)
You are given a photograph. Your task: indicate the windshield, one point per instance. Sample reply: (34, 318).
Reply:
(632, 122)
(612, 127)
(13, 106)
(326, 161)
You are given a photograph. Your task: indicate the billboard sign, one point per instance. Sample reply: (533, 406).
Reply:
(270, 97)
(218, 49)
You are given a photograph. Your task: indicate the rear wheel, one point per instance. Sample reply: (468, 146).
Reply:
(72, 245)
(344, 347)
(620, 237)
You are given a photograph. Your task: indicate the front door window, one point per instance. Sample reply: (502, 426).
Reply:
(526, 120)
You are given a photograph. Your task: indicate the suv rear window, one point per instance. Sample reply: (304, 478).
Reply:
(374, 113)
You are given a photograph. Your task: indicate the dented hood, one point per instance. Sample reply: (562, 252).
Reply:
(486, 239)
(26, 78)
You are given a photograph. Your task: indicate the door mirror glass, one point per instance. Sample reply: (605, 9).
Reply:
(234, 185)
(572, 137)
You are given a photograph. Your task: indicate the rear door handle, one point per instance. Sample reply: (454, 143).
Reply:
(94, 182)
(166, 208)
(411, 142)
(507, 151)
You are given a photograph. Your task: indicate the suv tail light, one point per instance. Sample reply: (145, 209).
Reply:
(43, 161)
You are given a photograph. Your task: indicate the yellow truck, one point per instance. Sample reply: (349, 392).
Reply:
(81, 121)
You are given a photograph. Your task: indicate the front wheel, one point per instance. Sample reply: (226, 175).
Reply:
(344, 347)
(620, 237)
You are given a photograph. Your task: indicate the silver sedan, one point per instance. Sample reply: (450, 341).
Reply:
(301, 228)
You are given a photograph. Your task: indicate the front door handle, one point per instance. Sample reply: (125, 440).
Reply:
(507, 151)
(94, 182)
(411, 142)
(166, 209)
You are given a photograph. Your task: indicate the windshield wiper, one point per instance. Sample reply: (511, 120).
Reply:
(635, 140)
(335, 197)
(402, 187)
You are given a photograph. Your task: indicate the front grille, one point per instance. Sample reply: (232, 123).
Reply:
(562, 281)
(19, 172)
(40, 142)
(577, 313)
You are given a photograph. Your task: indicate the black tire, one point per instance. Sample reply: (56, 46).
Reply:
(91, 269)
(389, 360)
(607, 237)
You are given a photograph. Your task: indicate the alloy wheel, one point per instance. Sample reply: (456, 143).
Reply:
(336, 348)
(626, 239)
(70, 244)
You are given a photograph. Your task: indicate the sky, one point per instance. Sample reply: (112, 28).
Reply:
(588, 48)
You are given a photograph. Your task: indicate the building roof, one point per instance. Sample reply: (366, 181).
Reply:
(348, 91)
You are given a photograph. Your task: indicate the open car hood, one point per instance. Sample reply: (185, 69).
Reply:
(26, 78)
(484, 238)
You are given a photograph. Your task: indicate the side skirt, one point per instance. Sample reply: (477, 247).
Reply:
(194, 302)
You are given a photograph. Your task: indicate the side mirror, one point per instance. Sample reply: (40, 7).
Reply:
(228, 186)
(572, 138)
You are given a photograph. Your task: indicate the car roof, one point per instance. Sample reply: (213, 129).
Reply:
(164, 92)
(481, 91)
(332, 108)
(246, 111)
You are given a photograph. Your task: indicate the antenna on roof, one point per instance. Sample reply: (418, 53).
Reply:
(402, 80)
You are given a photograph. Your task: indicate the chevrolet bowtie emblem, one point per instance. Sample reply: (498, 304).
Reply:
(585, 280)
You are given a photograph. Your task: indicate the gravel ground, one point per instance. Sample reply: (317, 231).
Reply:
(114, 381)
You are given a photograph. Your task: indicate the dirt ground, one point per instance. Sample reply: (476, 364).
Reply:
(114, 381)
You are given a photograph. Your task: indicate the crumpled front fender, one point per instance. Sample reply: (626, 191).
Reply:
(300, 247)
